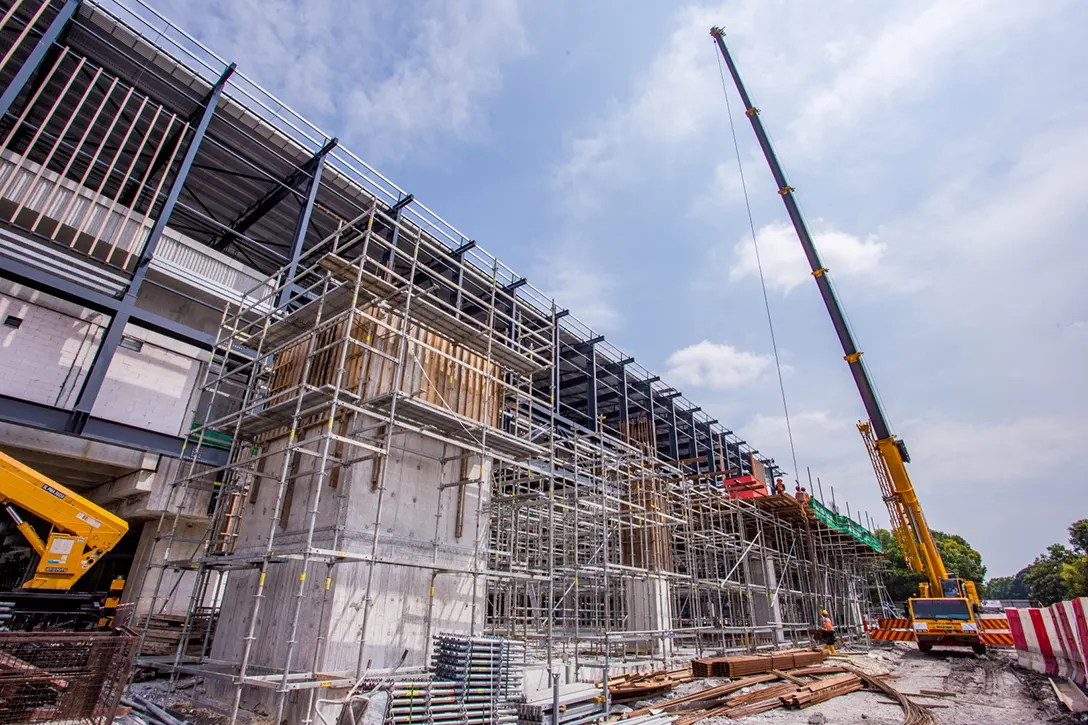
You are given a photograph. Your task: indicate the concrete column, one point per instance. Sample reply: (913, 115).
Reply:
(649, 609)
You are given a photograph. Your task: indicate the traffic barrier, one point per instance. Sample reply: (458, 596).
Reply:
(1052, 640)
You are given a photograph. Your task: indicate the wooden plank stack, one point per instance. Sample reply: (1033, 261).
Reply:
(799, 688)
(646, 684)
(164, 634)
(822, 690)
(743, 665)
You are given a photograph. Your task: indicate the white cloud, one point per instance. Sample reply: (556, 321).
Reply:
(381, 78)
(899, 61)
(584, 292)
(672, 103)
(453, 59)
(715, 366)
(784, 263)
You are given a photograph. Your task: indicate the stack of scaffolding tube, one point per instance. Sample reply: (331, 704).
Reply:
(475, 680)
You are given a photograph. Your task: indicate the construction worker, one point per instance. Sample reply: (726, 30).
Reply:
(827, 631)
(779, 487)
(797, 491)
(804, 497)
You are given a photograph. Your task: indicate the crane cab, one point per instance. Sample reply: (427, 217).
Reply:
(945, 621)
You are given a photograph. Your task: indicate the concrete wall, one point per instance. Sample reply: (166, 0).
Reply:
(417, 534)
(47, 358)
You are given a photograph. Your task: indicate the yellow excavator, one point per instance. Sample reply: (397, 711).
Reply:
(946, 612)
(80, 534)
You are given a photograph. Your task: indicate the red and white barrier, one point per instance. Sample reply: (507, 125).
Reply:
(1052, 640)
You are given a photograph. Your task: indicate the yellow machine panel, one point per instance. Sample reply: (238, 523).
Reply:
(81, 532)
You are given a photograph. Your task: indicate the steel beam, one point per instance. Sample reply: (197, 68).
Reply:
(92, 383)
(674, 440)
(271, 198)
(59, 287)
(60, 22)
(55, 420)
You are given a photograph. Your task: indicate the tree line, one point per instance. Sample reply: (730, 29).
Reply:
(1059, 574)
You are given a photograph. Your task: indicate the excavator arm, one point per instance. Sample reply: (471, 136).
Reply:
(80, 533)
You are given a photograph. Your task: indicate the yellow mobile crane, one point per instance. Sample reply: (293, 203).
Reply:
(946, 612)
(81, 533)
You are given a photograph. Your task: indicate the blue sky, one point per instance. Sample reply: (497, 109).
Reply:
(940, 151)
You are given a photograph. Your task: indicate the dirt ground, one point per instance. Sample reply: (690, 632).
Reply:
(988, 690)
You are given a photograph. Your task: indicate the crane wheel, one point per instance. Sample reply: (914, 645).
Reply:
(924, 646)
(979, 649)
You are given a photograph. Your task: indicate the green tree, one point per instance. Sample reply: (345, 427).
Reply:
(1044, 579)
(1075, 571)
(1008, 587)
(958, 556)
(1078, 536)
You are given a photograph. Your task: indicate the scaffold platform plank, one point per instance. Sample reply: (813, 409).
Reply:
(456, 427)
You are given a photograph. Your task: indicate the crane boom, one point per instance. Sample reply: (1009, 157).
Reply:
(902, 501)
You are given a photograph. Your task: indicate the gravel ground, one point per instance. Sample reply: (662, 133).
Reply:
(182, 702)
(988, 691)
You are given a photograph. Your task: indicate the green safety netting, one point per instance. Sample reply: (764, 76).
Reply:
(844, 524)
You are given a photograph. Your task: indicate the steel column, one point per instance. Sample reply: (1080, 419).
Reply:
(674, 440)
(591, 387)
(301, 226)
(60, 22)
(92, 383)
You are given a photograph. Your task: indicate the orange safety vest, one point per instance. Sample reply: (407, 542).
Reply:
(828, 627)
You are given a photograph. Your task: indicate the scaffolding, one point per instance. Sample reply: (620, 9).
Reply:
(416, 439)
(385, 348)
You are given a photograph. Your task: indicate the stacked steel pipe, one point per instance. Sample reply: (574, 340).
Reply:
(475, 680)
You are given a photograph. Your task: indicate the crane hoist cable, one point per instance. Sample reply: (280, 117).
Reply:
(759, 267)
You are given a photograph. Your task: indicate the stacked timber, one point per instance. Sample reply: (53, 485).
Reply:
(647, 684)
(798, 688)
(743, 665)
(164, 633)
(823, 689)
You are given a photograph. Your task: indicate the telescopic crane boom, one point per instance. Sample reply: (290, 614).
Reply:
(889, 453)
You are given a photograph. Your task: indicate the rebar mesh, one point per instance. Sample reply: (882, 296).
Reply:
(63, 677)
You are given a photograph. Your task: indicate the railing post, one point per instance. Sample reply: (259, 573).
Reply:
(60, 22)
(92, 384)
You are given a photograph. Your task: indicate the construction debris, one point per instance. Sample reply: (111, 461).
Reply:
(914, 714)
(164, 633)
(648, 684)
